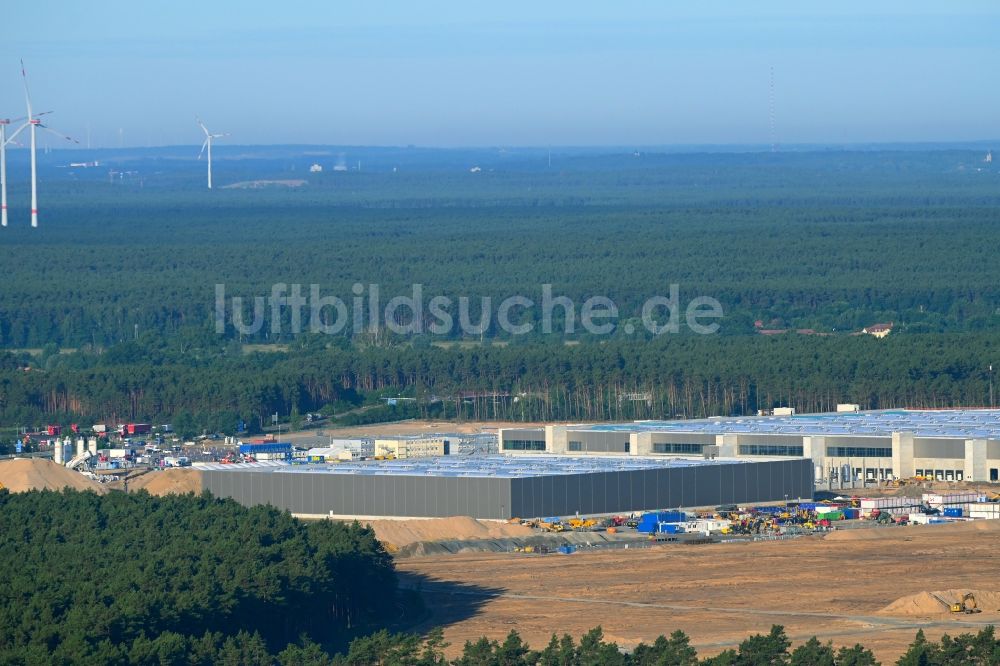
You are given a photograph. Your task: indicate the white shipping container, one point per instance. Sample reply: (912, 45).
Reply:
(950, 499)
(893, 505)
(985, 510)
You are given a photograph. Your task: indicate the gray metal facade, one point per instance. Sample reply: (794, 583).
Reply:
(598, 442)
(708, 485)
(501, 498)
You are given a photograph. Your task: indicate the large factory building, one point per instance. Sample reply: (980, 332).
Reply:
(950, 445)
(503, 487)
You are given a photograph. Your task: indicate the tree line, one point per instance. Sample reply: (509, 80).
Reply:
(203, 382)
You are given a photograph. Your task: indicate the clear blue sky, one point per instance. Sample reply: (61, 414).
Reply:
(507, 73)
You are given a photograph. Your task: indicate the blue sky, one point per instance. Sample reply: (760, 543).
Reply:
(512, 73)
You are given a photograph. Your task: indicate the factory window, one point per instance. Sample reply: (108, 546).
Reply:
(858, 452)
(524, 445)
(576, 446)
(628, 445)
(919, 472)
(769, 450)
(994, 474)
(949, 475)
(677, 448)
(959, 476)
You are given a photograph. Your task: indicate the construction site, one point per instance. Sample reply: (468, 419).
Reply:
(705, 543)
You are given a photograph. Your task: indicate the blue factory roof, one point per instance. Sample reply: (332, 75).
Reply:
(958, 423)
(490, 466)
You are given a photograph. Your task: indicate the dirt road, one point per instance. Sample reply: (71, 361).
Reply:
(836, 589)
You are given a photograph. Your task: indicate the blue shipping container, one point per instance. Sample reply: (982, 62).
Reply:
(671, 528)
(650, 521)
(567, 549)
(269, 447)
(953, 512)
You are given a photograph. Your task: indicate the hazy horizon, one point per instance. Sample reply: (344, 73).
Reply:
(561, 74)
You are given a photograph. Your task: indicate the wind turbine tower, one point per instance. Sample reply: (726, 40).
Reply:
(3, 171)
(34, 123)
(208, 144)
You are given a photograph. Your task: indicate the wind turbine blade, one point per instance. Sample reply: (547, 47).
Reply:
(61, 136)
(27, 97)
(202, 126)
(219, 136)
(20, 129)
(203, 148)
(17, 120)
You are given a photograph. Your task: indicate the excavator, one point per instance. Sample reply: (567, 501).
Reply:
(967, 604)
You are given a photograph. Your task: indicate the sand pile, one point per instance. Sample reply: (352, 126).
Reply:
(399, 533)
(934, 603)
(174, 481)
(24, 474)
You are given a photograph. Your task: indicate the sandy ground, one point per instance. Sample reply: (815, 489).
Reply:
(398, 533)
(412, 427)
(177, 481)
(853, 586)
(24, 474)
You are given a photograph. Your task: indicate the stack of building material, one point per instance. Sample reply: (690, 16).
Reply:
(985, 510)
(961, 500)
(896, 506)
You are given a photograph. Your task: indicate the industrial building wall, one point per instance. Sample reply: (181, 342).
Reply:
(520, 435)
(938, 447)
(707, 485)
(683, 438)
(594, 441)
(358, 495)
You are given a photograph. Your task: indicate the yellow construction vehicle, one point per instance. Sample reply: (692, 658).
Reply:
(967, 605)
(551, 527)
(582, 523)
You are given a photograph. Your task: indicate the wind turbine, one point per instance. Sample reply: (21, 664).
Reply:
(4, 140)
(33, 123)
(208, 143)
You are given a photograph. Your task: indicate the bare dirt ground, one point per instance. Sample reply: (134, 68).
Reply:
(852, 586)
(174, 481)
(24, 474)
(396, 534)
(413, 427)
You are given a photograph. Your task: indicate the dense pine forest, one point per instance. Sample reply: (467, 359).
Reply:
(208, 384)
(108, 309)
(99, 579)
(134, 579)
